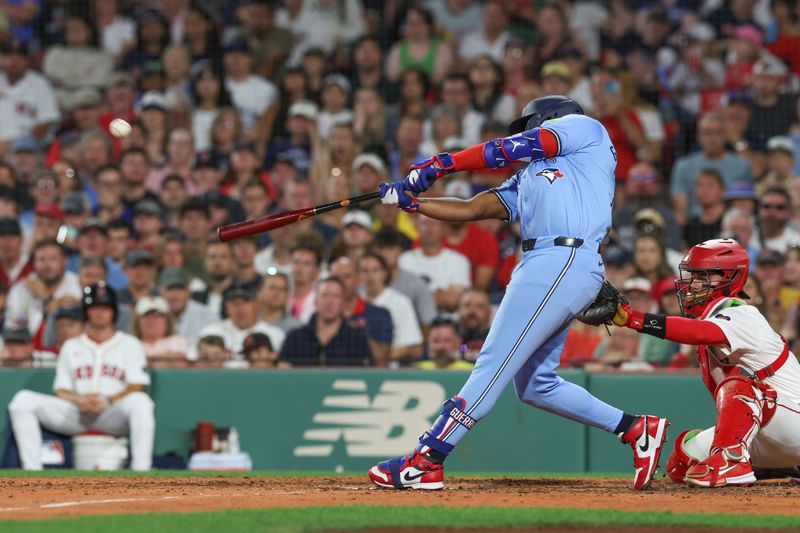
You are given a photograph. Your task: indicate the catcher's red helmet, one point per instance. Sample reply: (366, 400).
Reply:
(725, 257)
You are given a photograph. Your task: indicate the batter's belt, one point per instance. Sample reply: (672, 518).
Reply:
(546, 242)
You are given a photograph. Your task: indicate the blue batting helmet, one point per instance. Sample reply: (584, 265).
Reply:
(544, 108)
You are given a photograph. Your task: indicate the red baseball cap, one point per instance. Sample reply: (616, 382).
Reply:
(50, 210)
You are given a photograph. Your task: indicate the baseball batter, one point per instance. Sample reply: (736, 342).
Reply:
(99, 385)
(746, 365)
(562, 200)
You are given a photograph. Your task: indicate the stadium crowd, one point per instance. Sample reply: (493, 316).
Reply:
(251, 107)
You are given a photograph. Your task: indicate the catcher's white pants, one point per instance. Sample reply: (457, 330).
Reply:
(776, 445)
(132, 415)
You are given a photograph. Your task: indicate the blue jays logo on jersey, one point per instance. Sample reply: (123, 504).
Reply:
(551, 174)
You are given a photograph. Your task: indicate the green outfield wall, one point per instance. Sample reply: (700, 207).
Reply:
(327, 419)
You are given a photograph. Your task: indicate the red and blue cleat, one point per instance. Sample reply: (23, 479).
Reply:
(415, 471)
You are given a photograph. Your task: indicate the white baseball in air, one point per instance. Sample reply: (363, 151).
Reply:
(119, 128)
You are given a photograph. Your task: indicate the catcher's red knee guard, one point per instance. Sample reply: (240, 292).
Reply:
(743, 407)
(679, 461)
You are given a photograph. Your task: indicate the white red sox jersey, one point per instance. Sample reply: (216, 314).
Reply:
(752, 345)
(26, 104)
(107, 368)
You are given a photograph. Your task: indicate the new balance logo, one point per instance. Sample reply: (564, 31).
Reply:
(387, 424)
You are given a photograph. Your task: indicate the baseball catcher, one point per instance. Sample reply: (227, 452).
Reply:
(746, 366)
(562, 199)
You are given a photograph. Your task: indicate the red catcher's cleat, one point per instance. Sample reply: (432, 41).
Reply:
(725, 466)
(415, 471)
(646, 436)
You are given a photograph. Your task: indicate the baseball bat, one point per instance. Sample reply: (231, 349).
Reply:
(269, 222)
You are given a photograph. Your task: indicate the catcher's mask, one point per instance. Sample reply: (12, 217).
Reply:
(697, 286)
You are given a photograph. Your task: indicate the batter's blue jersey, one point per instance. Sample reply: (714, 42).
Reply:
(569, 195)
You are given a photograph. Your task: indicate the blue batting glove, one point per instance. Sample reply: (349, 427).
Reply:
(423, 174)
(394, 194)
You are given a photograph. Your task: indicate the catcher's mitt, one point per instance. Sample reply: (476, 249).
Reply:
(604, 307)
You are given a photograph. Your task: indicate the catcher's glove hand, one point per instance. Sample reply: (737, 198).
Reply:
(604, 307)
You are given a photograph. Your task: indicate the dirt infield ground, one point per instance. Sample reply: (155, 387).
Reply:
(41, 498)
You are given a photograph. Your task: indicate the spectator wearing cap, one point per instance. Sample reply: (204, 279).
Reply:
(772, 113)
(774, 230)
(148, 223)
(14, 262)
(195, 225)
(390, 244)
(153, 325)
(42, 291)
(710, 193)
(180, 152)
(254, 97)
(152, 36)
(741, 196)
(296, 146)
(335, 95)
(140, 269)
(134, 163)
(375, 320)
(712, 154)
(67, 324)
(218, 272)
(9, 208)
(356, 234)
(491, 38)
(18, 350)
(270, 43)
(328, 339)
(93, 242)
(618, 262)
(76, 209)
(109, 187)
(469, 239)
(28, 106)
(444, 348)
(242, 319)
(78, 61)
(273, 301)
(222, 209)
(94, 152)
(258, 352)
(153, 115)
(245, 275)
(189, 315)
(739, 224)
(770, 271)
(47, 219)
(26, 159)
(420, 48)
(780, 164)
(369, 171)
(642, 190)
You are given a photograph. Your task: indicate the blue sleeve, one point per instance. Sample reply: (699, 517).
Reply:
(507, 193)
(380, 324)
(575, 132)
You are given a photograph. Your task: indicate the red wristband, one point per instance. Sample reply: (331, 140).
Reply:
(470, 159)
(635, 317)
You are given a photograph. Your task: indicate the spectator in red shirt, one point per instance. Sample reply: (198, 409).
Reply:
(469, 239)
(621, 121)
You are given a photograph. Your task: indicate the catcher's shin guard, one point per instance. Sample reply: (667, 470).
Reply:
(679, 461)
(744, 406)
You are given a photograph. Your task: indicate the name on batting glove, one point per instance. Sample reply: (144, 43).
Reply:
(425, 173)
(395, 194)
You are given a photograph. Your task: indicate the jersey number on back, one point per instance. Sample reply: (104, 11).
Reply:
(613, 152)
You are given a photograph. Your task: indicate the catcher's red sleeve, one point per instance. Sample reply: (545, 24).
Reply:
(689, 331)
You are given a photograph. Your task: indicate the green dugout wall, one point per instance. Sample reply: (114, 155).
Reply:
(327, 419)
